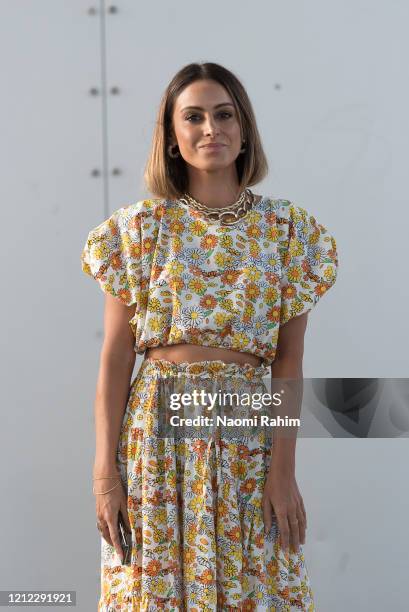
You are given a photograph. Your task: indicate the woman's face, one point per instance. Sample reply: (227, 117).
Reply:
(213, 120)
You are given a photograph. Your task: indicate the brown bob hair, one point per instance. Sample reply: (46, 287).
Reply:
(167, 177)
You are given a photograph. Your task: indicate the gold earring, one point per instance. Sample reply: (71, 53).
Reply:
(170, 151)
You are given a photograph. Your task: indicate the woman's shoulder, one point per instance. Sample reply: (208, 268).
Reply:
(286, 210)
(145, 207)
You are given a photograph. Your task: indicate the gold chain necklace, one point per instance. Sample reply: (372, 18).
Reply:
(227, 215)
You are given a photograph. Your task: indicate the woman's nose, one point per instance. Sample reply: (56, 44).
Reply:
(211, 126)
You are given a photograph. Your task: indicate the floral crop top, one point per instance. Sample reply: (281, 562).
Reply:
(195, 281)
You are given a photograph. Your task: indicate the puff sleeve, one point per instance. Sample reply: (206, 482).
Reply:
(309, 261)
(112, 255)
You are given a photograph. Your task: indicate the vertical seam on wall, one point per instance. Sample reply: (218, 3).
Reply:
(104, 109)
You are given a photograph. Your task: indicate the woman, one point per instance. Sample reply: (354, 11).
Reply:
(216, 523)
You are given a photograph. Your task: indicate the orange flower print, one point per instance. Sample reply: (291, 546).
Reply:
(116, 261)
(205, 577)
(124, 295)
(253, 231)
(175, 283)
(320, 289)
(243, 451)
(289, 291)
(208, 302)
(234, 534)
(208, 242)
(189, 555)
(147, 246)
(273, 314)
(270, 218)
(248, 486)
(158, 212)
(252, 291)
(272, 277)
(153, 568)
(176, 227)
(230, 277)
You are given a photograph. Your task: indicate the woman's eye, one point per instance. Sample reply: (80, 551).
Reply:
(222, 113)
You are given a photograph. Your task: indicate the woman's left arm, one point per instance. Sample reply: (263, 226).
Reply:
(281, 492)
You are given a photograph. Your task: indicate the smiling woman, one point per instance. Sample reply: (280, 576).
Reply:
(212, 284)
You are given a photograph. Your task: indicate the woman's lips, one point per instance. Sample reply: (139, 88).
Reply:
(213, 146)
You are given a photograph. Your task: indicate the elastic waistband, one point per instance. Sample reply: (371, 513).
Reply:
(203, 369)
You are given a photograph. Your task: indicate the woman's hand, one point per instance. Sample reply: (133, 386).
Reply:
(282, 498)
(107, 508)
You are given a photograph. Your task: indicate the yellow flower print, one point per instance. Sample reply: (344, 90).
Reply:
(189, 572)
(161, 586)
(253, 217)
(240, 340)
(248, 311)
(226, 241)
(296, 307)
(229, 569)
(175, 333)
(329, 274)
(315, 236)
(196, 504)
(252, 273)
(297, 214)
(270, 295)
(197, 285)
(154, 305)
(295, 248)
(254, 248)
(294, 274)
(198, 228)
(253, 231)
(223, 260)
(227, 304)
(176, 245)
(174, 268)
(175, 213)
(272, 233)
(156, 324)
(100, 251)
(221, 318)
(191, 537)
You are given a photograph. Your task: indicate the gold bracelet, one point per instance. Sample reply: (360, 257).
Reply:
(106, 477)
(103, 492)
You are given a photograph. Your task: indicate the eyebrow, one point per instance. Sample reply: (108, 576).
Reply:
(200, 108)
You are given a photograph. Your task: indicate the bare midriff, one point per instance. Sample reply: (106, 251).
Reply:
(193, 352)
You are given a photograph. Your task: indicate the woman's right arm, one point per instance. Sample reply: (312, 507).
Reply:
(117, 361)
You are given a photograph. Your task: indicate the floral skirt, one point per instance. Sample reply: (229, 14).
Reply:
(195, 502)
